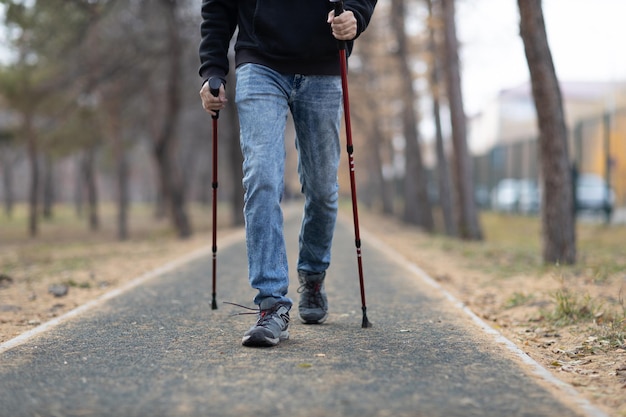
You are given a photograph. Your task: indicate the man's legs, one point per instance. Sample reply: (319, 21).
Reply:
(263, 99)
(262, 106)
(317, 107)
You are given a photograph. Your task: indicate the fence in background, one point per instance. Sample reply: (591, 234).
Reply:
(597, 146)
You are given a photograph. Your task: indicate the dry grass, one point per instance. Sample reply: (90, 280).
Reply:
(89, 263)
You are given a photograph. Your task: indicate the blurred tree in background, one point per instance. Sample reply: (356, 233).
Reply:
(101, 96)
(558, 224)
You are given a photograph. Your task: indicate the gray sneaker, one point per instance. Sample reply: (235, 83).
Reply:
(271, 326)
(313, 306)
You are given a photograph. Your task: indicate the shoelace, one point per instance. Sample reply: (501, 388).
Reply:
(255, 310)
(263, 314)
(312, 291)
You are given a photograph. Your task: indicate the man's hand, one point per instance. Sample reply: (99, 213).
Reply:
(210, 103)
(343, 26)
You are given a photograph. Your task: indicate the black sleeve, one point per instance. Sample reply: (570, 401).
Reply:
(363, 11)
(219, 21)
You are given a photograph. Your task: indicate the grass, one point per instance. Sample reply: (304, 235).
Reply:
(72, 283)
(615, 333)
(518, 299)
(68, 228)
(571, 308)
(66, 248)
(512, 247)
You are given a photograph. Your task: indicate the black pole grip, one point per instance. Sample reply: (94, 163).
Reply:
(214, 87)
(338, 7)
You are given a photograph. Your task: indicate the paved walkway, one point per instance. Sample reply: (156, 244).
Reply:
(159, 350)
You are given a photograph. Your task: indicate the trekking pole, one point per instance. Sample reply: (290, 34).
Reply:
(338, 6)
(214, 88)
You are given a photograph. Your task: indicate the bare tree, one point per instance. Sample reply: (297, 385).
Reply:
(417, 207)
(370, 83)
(105, 59)
(558, 224)
(48, 192)
(90, 185)
(24, 95)
(38, 76)
(8, 158)
(165, 147)
(32, 145)
(113, 109)
(112, 81)
(443, 173)
(469, 226)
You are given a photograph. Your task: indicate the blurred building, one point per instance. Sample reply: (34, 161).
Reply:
(503, 137)
(511, 116)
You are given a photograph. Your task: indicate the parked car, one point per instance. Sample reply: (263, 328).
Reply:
(482, 197)
(592, 194)
(529, 197)
(504, 196)
(523, 196)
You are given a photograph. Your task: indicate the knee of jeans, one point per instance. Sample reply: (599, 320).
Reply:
(262, 168)
(263, 186)
(324, 197)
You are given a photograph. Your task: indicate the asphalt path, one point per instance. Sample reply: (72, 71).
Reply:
(159, 350)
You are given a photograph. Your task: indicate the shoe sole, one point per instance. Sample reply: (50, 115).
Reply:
(313, 321)
(264, 341)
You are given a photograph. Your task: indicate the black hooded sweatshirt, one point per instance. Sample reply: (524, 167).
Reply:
(289, 36)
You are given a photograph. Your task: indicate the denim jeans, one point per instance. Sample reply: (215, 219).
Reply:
(264, 97)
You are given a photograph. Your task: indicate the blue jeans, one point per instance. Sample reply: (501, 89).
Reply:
(264, 97)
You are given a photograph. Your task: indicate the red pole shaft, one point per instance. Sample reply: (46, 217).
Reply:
(350, 148)
(214, 185)
(214, 87)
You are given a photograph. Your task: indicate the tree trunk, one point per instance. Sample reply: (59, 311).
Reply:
(33, 157)
(417, 207)
(165, 148)
(558, 224)
(385, 191)
(122, 191)
(91, 187)
(369, 113)
(443, 173)
(172, 191)
(48, 187)
(121, 162)
(79, 187)
(7, 180)
(467, 215)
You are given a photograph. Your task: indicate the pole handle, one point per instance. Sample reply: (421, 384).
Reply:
(338, 7)
(214, 87)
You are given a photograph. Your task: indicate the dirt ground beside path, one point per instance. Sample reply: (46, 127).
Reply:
(584, 354)
(588, 354)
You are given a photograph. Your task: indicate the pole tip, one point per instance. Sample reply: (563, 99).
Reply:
(214, 303)
(366, 323)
